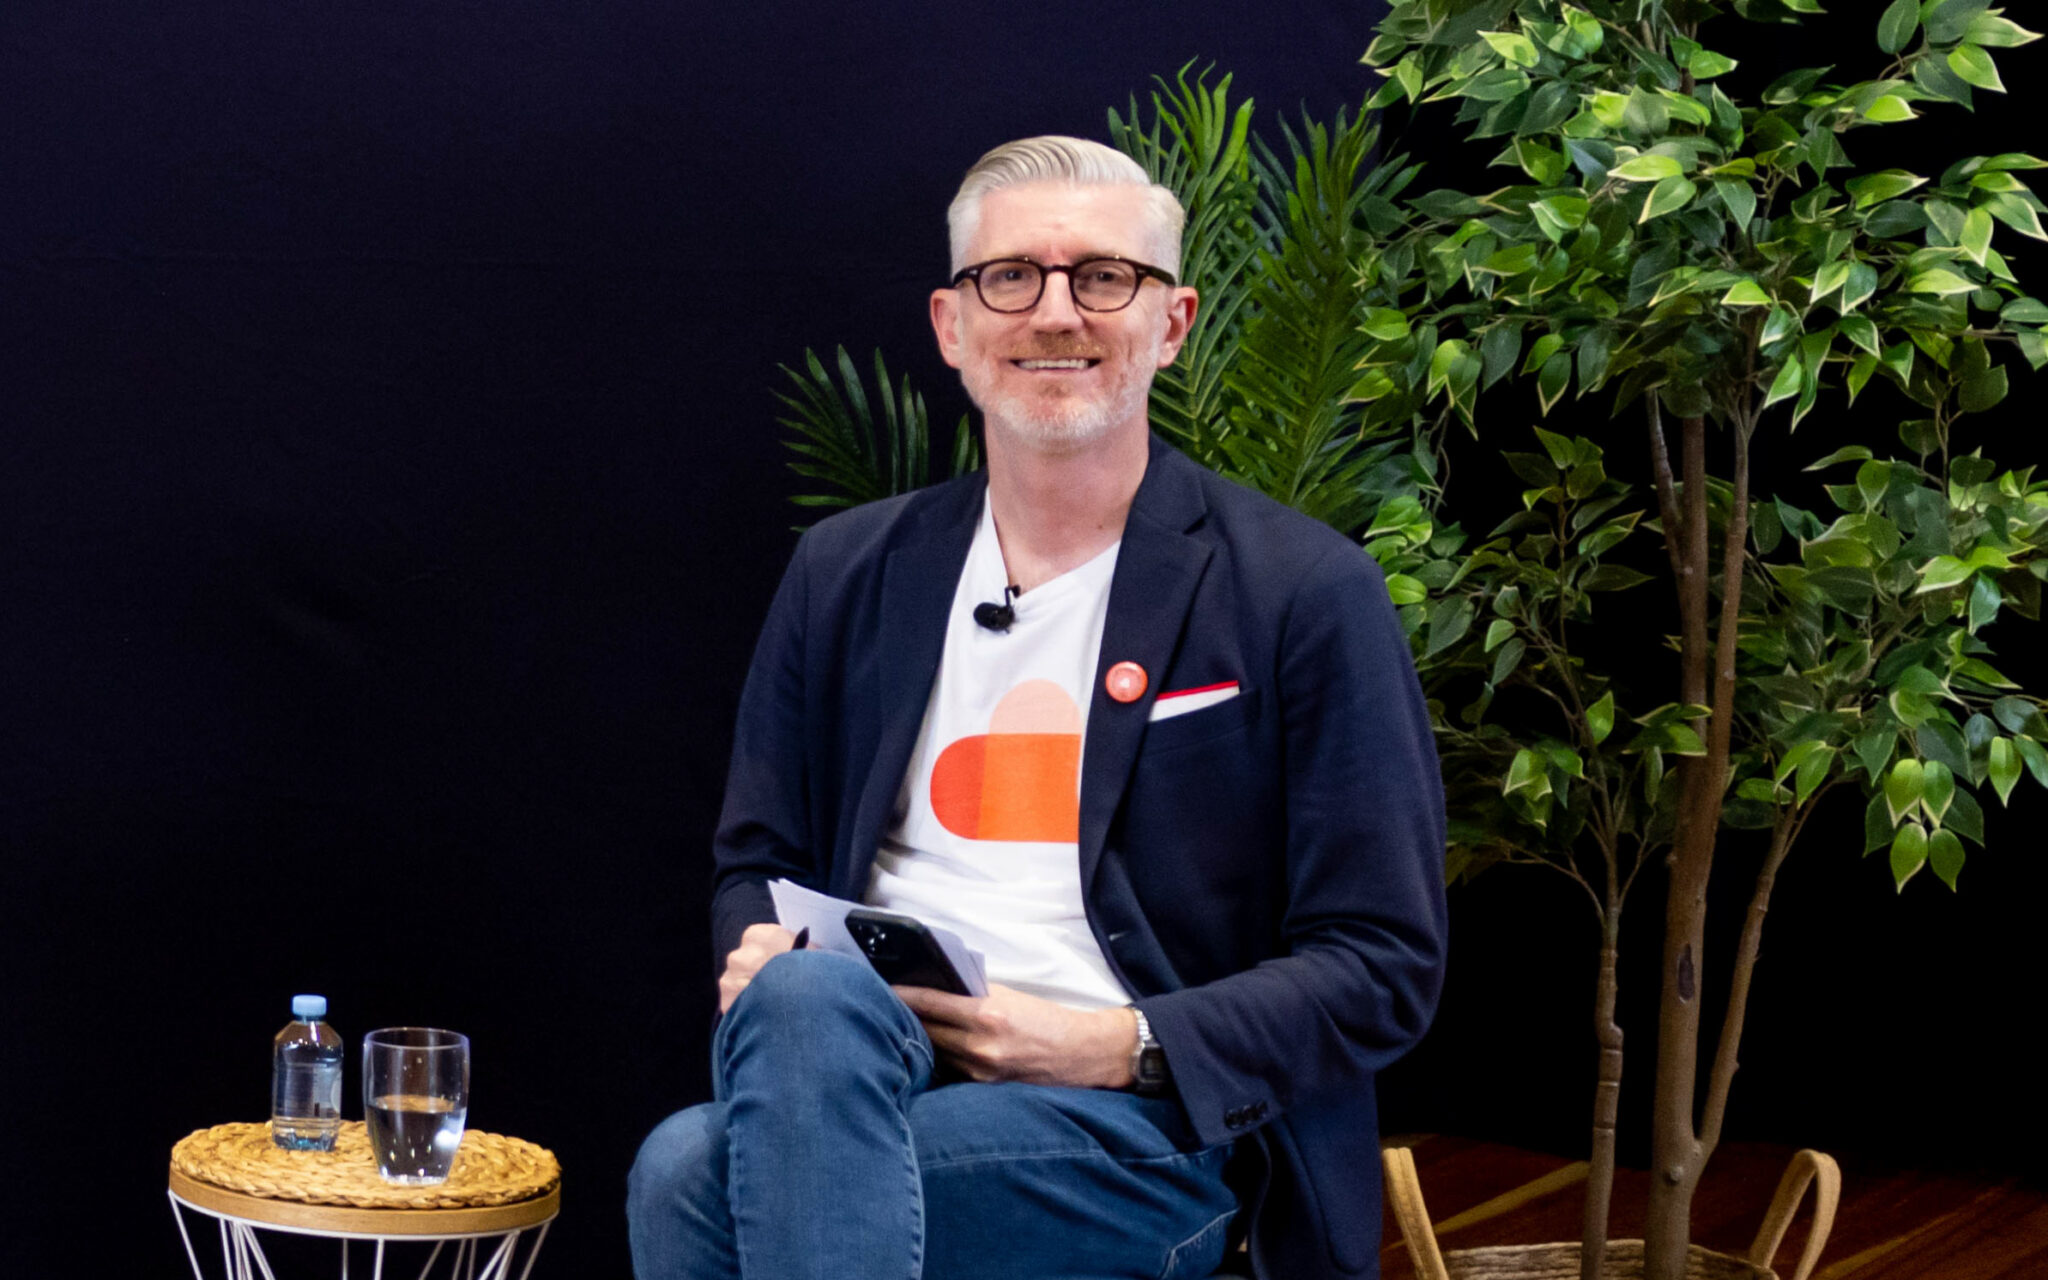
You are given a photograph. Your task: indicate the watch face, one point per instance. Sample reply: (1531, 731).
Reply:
(1152, 1067)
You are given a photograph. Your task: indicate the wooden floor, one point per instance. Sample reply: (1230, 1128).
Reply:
(1892, 1225)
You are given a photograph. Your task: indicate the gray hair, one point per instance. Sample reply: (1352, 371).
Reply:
(1053, 158)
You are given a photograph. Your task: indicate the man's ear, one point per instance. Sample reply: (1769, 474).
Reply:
(1180, 317)
(946, 316)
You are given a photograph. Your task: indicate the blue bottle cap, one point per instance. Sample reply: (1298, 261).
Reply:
(307, 1008)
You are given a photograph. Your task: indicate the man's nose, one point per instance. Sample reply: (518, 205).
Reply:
(1056, 308)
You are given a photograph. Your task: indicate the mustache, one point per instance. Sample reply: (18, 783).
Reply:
(1054, 349)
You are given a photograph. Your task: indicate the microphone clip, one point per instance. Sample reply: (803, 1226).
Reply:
(998, 617)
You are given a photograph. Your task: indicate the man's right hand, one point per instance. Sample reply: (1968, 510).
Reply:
(758, 945)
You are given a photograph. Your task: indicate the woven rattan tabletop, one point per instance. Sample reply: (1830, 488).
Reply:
(497, 1184)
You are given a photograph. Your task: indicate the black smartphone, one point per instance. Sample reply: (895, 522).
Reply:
(903, 951)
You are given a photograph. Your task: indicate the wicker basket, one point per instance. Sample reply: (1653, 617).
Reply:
(1624, 1257)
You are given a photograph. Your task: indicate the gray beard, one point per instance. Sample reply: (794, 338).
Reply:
(1062, 426)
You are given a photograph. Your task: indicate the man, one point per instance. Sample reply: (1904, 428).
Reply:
(1176, 781)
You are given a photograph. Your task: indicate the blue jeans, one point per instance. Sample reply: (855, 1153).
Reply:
(827, 1153)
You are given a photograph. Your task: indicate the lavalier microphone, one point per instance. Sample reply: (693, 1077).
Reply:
(998, 617)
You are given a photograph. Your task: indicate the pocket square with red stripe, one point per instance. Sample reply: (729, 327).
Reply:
(1179, 702)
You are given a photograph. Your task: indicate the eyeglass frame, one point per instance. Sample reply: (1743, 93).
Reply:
(1146, 271)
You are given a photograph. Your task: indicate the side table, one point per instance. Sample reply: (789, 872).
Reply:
(499, 1190)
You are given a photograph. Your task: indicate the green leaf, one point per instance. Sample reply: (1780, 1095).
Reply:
(1600, 718)
(1791, 380)
(1874, 748)
(1983, 391)
(1940, 281)
(2020, 716)
(1739, 199)
(1976, 238)
(1974, 66)
(2024, 311)
(1909, 853)
(1526, 774)
(1499, 630)
(1668, 196)
(1813, 771)
(1613, 577)
(1509, 657)
(1877, 826)
(1648, 168)
(1862, 284)
(1848, 453)
(1890, 109)
(1746, 293)
(1517, 50)
(1937, 789)
(2017, 214)
(1646, 115)
(1985, 600)
(2036, 758)
(1707, 65)
(1948, 20)
(1403, 589)
(1945, 855)
(1942, 743)
(1886, 185)
(1448, 621)
(1902, 788)
(1793, 86)
(1863, 332)
(2005, 768)
(1385, 324)
(1998, 32)
(1966, 818)
(1896, 28)
(1553, 380)
(1563, 450)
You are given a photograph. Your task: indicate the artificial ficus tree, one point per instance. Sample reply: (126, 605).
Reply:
(1710, 263)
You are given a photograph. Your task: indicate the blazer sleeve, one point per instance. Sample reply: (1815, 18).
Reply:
(1364, 927)
(764, 829)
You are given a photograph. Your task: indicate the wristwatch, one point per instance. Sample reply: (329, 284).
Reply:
(1148, 1061)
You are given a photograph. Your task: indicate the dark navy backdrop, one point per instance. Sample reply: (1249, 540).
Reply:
(389, 494)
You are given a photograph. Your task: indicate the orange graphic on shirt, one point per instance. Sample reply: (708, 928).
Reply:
(1020, 780)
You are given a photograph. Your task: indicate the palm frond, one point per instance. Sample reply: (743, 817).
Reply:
(1198, 147)
(839, 443)
(1292, 433)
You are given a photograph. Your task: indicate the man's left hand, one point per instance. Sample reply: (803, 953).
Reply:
(1007, 1035)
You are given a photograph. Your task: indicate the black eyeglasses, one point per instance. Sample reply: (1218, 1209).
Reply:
(1011, 285)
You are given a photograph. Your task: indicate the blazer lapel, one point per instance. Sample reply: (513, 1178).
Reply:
(918, 582)
(1157, 571)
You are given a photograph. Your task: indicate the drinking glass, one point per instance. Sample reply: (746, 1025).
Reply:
(415, 1100)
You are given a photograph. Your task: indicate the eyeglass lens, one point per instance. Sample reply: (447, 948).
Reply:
(1100, 284)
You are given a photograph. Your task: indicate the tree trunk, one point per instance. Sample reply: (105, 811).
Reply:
(1677, 1154)
(1606, 1100)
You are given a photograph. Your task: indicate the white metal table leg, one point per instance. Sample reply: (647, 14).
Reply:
(534, 1252)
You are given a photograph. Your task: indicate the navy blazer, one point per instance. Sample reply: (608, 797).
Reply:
(1265, 875)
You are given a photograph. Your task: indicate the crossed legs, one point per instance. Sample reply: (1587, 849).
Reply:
(827, 1153)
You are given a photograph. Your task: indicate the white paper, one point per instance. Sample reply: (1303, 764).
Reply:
(798, 908)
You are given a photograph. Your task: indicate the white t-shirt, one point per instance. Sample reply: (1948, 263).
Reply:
(985, 835)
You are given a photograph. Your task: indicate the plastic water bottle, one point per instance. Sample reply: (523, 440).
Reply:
(305, 1079)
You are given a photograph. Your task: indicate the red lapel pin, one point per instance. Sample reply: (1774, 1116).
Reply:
(1125, 682)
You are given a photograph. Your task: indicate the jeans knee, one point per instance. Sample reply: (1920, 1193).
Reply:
(806, 983)
(802, 992)
(813, 1012)
(684, 1152)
